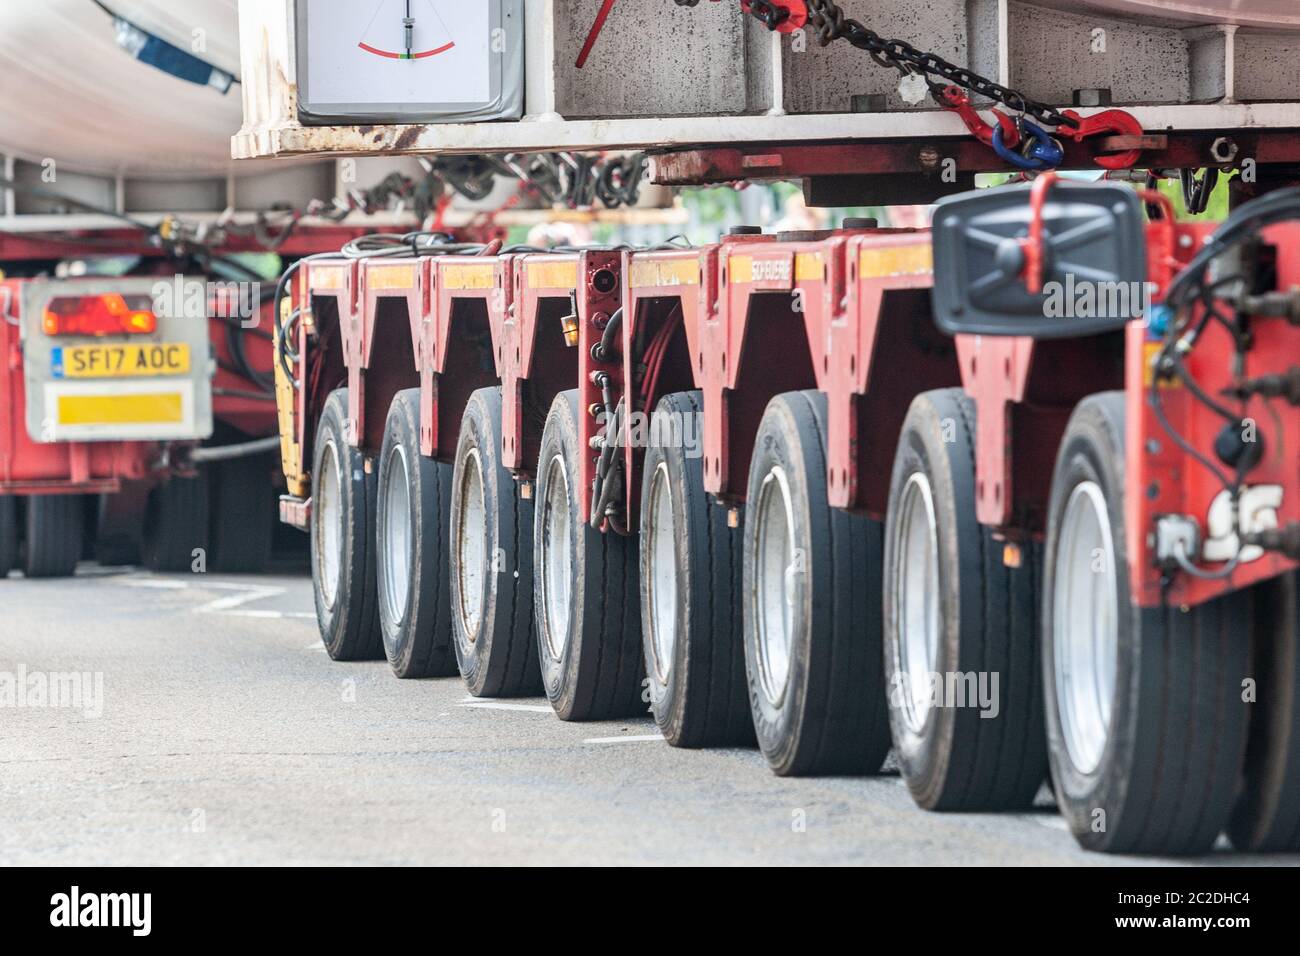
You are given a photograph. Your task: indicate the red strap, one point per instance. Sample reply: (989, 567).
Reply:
(797, 18)
(1033, 245)
(594, 35)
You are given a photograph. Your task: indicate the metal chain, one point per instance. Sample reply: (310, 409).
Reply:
(829, 23)
(768, 14)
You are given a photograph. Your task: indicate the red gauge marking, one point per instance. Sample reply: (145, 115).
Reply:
(402, 56)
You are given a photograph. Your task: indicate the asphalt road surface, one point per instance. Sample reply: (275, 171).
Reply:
(211, 728)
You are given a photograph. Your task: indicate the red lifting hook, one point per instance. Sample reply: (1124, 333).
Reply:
(956, 99)
(1108, 122)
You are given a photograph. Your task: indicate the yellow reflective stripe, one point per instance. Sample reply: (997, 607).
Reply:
(552, 275)
(877, 262)
(809, 267)
(658, 273)
(745, 269)
(391, 278)
(329, 277)
(458, 278)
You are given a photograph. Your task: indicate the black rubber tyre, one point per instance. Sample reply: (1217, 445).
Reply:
(691, 577)
(491, 561)
(8, 535)
(243, 515)
(1162, 775)
(1267, 816)
(55, 535)
(974, 740)
(175, 537)
(590, 656)
(117, 552)
(116, 523)
(413, 512)
(343, 581)
(825, 711)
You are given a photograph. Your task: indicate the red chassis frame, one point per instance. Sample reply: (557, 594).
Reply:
(751, 317)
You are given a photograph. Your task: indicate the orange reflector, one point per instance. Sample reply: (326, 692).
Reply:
(570, 325)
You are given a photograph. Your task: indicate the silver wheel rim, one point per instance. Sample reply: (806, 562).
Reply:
(777, 584)
(1085, 626)
(916, 599)
(557, 559)
(661, 587)
(395, 556)
(327, 511)
(471, 545)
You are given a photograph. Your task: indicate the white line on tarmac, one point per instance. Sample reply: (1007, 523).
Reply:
(276, 615)
(232, 605)
(526, 708)
(246, 595)
(630, 738)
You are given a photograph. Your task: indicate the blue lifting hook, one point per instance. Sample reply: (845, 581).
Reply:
(1040, 151)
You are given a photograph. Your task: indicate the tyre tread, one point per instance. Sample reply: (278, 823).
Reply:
(844, 726)
(1188, 733)
(55, 532)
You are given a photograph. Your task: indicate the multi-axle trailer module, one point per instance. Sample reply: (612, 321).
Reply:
(1016, 497)
(753, 487)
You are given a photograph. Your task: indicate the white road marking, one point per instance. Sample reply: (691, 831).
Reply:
(526, 708)
(104, 571)
(232, 605)
(276, 615)
(246, 594)
(630, 738)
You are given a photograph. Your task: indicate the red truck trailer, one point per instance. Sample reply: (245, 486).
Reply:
(139, 419)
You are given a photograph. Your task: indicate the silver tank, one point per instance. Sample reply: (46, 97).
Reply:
(68, 92)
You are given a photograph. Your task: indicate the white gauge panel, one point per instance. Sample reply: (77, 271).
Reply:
(409, 61)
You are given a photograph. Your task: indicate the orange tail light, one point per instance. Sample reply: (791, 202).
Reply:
(110, 314)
